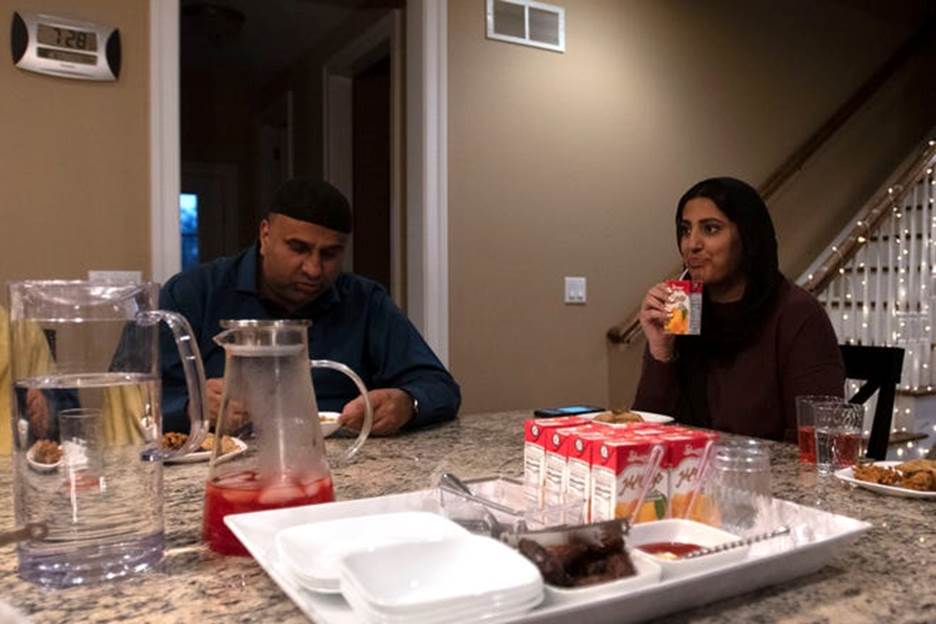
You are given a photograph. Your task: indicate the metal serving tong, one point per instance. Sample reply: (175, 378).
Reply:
(595, 533)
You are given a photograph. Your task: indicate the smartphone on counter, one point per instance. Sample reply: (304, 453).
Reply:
(566, 410)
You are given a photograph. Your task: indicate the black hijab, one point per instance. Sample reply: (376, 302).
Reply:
(726, 328)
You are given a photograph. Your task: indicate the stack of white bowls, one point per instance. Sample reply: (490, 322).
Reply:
(457, 579)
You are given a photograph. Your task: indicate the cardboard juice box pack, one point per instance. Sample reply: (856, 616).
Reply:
(685, 450)
(618, 467)
(535, 431)
(684, 307)
(579, 452)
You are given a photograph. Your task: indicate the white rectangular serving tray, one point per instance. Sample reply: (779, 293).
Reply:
(816, 536)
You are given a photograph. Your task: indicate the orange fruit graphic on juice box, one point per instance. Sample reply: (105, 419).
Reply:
(684, 307)
(685, 449)
(618, 469)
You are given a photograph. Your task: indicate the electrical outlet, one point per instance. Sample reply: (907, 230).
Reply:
(575, 290)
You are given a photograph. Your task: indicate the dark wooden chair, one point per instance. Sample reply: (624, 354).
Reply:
(879, 368)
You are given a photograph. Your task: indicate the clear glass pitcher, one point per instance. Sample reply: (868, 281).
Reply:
(87, 427)
(269, 399)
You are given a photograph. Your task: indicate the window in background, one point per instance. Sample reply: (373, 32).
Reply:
(188, 227)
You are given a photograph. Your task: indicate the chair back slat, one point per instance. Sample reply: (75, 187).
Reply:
(880, 368)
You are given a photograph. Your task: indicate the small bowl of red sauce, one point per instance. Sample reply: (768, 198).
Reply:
(669, 541)
(669, 550)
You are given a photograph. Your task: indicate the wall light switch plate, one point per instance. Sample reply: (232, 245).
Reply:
(115, 277)
(575, 290)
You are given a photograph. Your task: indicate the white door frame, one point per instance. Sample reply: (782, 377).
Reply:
(337, 79)
(426, 159)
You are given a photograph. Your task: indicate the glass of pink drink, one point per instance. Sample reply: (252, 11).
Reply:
(806, 424)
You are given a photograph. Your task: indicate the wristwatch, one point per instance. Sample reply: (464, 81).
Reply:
(415, 406)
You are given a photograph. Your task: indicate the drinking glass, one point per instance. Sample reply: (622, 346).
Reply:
(806, 424)
(737, 483)
(838, 435)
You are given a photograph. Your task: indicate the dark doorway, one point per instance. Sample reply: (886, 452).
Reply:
(252, 110)
(371, 171)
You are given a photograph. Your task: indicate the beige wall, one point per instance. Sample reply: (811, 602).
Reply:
(74, 186)
(570, 164)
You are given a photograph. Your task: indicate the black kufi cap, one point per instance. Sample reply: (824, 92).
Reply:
(314, 201)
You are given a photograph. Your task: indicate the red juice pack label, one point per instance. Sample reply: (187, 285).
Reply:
(534, 452)
(618, 468)
(686, 450)
(556, 459)
(684, 308)
(579, 449)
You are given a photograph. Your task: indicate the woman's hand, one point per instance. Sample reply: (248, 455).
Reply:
(652, 318)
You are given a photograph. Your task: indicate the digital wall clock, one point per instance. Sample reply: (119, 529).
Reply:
(65, 47)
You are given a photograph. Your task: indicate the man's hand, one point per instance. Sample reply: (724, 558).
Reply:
(236, 415)
(392, 407)
(38, 412)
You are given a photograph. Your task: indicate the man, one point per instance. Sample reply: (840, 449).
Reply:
(294, 272)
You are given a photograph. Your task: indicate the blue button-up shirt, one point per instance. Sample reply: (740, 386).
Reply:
(355, 323)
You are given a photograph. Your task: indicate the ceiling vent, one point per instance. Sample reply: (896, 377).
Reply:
(527, 22)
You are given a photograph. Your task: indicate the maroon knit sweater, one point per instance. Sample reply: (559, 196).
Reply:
(753, 393)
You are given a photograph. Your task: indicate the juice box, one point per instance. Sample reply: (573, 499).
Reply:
(618, 467)
(685, 450)
(684, 308)
(557, 448)
(579, 450)
(534, 452)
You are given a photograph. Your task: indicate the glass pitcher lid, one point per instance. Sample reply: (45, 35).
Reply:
(252, 337)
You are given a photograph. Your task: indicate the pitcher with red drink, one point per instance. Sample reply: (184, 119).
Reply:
(268, 393)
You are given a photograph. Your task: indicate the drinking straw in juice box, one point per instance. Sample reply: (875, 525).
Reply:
(686, 450)
(534, 452)
(684, 308)
(618, 467)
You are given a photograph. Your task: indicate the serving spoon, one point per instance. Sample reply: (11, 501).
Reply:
(747, 541)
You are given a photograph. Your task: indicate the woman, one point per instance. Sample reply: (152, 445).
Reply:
(764, 340)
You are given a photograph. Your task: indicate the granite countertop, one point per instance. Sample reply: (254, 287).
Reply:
(889, 575)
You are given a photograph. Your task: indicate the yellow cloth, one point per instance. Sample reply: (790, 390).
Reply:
(124, 412)
(36, 359)
(124, 409)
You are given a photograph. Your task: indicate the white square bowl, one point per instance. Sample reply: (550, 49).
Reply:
(423, 577)
(311, 551)
(687, 532)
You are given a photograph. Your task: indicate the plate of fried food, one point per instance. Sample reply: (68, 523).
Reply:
(44, 456)
(231, 447)
(911, 479)
(626, 417)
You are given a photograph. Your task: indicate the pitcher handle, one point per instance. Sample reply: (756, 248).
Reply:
(194, 377)
(368, 412)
